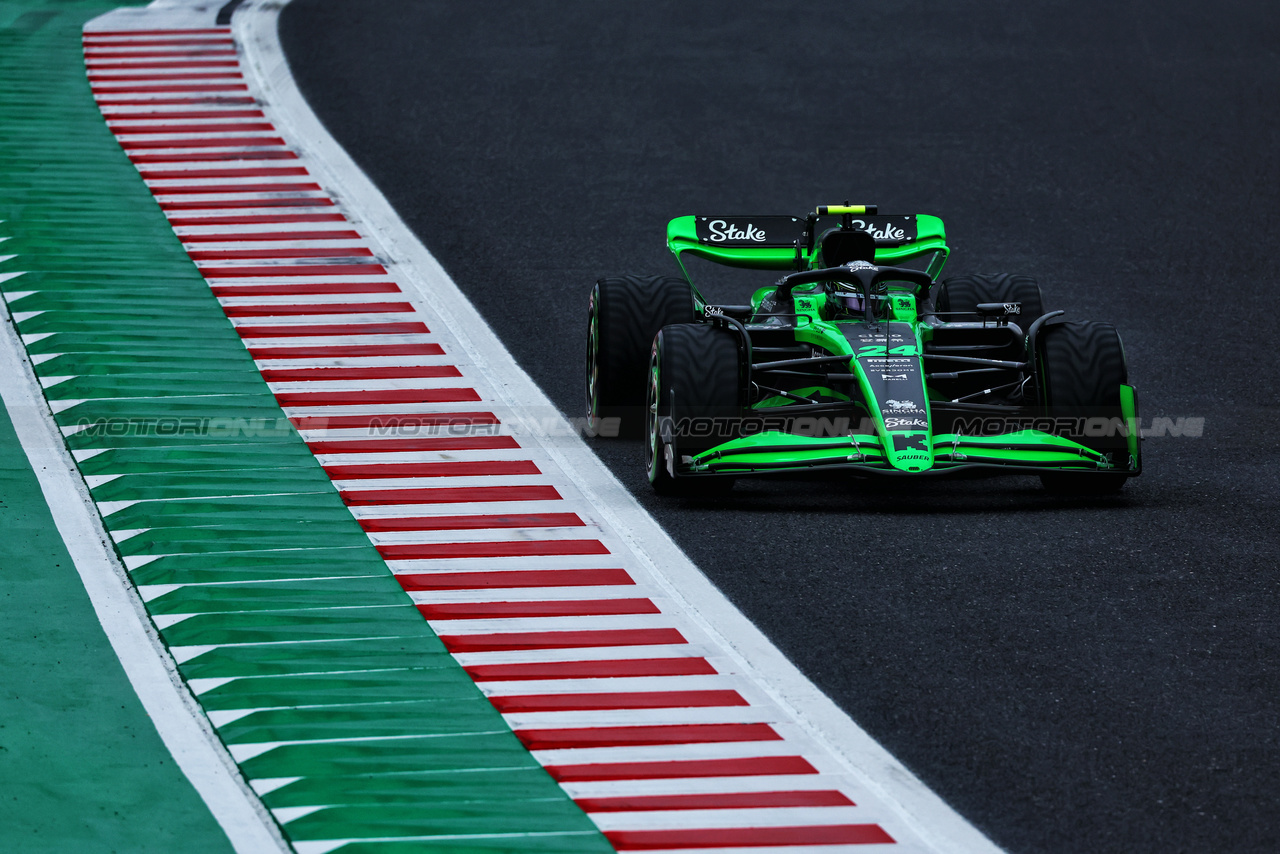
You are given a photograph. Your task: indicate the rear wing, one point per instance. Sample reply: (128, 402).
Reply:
(789, 242)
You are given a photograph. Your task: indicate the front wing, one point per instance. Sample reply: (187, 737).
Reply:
(1019, 451)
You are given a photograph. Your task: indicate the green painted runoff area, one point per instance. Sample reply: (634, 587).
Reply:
(81, 765)
(320, 667)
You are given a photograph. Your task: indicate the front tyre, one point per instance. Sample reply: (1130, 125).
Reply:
(965, 293)
(692, 403)
(1082, 367)
(624, 314)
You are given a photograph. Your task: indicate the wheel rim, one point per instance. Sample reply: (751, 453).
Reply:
(593, 365)
(652, 449)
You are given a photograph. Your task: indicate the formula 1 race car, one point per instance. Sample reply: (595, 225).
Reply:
(856, 361)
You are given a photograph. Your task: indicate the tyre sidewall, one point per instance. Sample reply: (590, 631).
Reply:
(1081, 366)
(624, 315)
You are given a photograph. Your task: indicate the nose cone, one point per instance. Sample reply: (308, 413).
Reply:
(912, 465)
(910, 452)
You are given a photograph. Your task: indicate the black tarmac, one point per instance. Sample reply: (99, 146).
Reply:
(1071, 675)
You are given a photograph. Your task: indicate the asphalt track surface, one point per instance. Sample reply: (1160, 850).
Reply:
(1071, 675)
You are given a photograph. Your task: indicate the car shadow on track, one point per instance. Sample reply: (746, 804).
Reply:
(1011, 494)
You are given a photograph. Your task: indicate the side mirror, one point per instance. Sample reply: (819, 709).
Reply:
(1000, 311)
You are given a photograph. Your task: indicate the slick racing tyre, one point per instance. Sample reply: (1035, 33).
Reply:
(694, 379)
(624, 315)
(964, 293)
(1082, 367)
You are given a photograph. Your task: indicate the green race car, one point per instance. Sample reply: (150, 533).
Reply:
(857, 360)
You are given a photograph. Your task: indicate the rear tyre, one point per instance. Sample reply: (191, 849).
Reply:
(964, 293)
(624, 314)
(1082, 367)
(694, 381)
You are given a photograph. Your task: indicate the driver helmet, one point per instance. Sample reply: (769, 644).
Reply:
(849, 300)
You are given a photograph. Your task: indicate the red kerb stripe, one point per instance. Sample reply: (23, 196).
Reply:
(179, 53)
(247, 236)
(338, 351)
(97, 78)
(386, 372)
(638, 736)
(328, 329)
(620, 700)
(282, 252)
(253, 203)
(294, 270)
(514, 579)
(113, 34)
(93, 64)
(203, 100)
(211, 189)
(447, 495)
(317, 309)
(90, 40)
(717, 801)
(217, 156)
(241, 204)
(255, 219)
(220, 142)
(750, 767)
(120, 128)
(206, 50)
(508, 641)
(516, 548)
(281, 290)
(474, 468)
(590, 669)
(748, 837)
(90, 35)
(470, 523)
(552, 608)
(99, 89)
(127, 64)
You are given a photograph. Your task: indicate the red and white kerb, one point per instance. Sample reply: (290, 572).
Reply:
(643, 718)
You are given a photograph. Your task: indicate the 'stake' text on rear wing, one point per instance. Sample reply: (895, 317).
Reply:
(774, 242)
